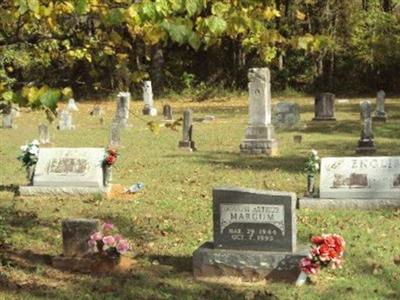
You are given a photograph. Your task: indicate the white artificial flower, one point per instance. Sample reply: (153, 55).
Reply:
(314, 152)
(24, 148)
(316, 166)
(35, 143)
(34, 150)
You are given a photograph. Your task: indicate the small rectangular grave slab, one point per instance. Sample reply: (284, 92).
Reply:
(76, 234)
(249, 219)
(360, 178)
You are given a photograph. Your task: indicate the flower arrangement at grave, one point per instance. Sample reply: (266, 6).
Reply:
(108, 162)
(29, 157)
(108, 244)
(326, 251)
(312, 169)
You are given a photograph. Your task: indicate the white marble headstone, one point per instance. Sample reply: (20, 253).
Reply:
(360, 177)
(69, 167)
(72, 105)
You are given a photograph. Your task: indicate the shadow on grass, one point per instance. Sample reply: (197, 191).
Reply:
(163, 281)
(235, 160)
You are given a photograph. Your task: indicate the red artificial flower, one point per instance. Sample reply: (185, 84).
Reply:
(112, 152)
(110, 160)
(317, 240)
(329, 240)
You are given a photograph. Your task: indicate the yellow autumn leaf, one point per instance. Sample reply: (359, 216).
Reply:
(271, 13)
(300, 16)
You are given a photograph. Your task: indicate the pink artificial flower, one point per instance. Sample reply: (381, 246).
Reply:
(97, 236)
(118, 237)
(108, 241)
(122, 246)
(108, 226)
(308, 266)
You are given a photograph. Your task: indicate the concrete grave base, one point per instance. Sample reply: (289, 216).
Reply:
(324, 119)
(259, 147)
(317, 203)
(187, 145)
(149, 111)
(379, 119)
(56, 190)
(246, 265)
(365, 147)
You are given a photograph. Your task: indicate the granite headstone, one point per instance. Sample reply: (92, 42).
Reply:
(324, 107)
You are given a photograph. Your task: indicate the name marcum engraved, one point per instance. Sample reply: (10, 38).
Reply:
(252, 213)
(354, 181)
(68, 165)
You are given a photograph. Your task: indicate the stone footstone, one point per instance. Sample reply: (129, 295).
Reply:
(76, 234)
(247, 265)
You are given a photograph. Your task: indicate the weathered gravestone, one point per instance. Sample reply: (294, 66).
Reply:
(115, 134)
(167, 112)
(8, 120)
(122, 113)
(149, 108)
(97, 111)
(15, 110)
(286, 115)
(324, 107)
(254, 236)
(68, 171)
(358, 182)
(366, 142)
(65, 122)
(259, 137)
(76, 234)
(44, 136)
(187, 142)
(380, 114)
(72, 105)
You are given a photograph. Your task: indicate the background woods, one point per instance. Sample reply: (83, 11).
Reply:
(98, 47)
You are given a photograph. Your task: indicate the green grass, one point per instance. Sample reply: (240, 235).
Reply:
(172, 216)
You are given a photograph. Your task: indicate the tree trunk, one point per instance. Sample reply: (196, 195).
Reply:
(157, 68)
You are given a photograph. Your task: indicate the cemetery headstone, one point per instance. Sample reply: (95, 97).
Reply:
(286, 115)
(149, 108)
(68, 171)
(380, 114)
(97, 111)
(187, 130)
(324, 107)
(122, 113)
(367, 182)
(259, 137)
(44, 136)
(75, 234)
(65, 122)
(167, 112)
(297, 139)
(254, 236)
(8, 120)
(15, 110)
(115, 134)
(366, 142)
(72, 105)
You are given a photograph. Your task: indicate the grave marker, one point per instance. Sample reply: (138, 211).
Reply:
(187, 130)
(68, 171)
(259, 137)
(286, 115)
(324, 107)
(167, 112)
(366, 142)
(44, 136)
(149, 108)
(76, 234)
(254, 236)
(380, 114)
